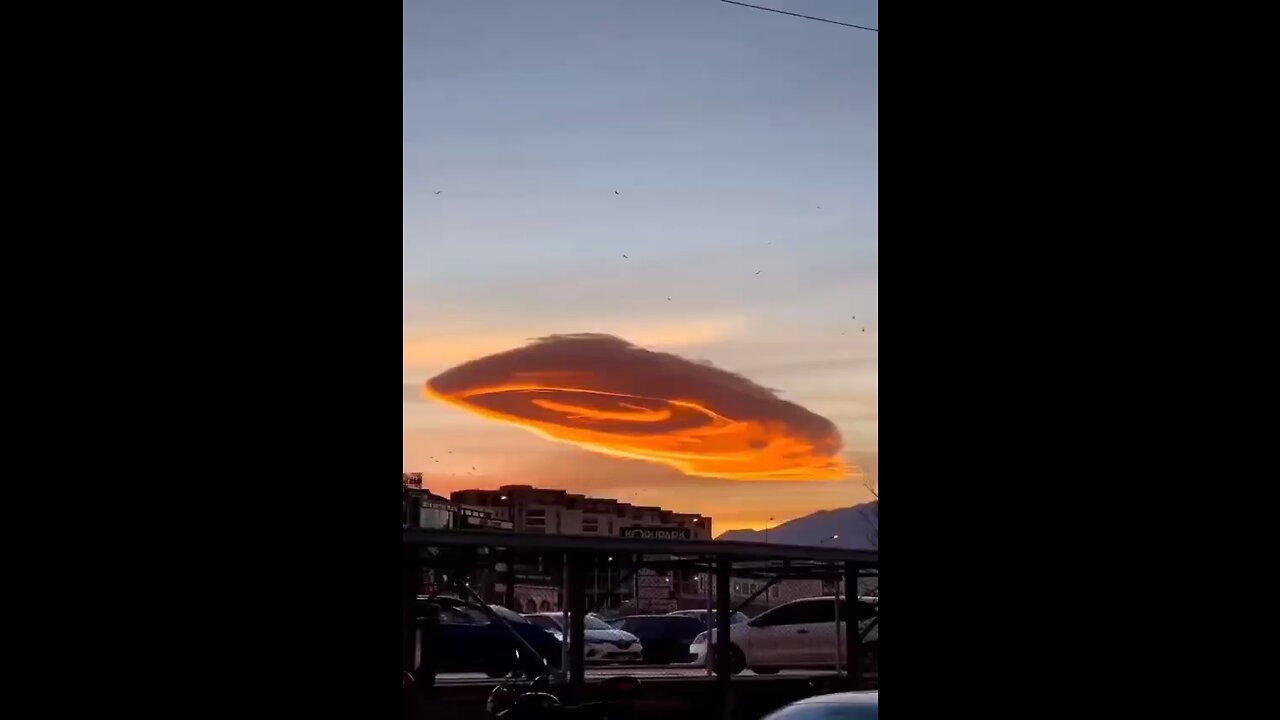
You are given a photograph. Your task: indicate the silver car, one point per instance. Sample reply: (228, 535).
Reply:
(604, 644)
(836, 706)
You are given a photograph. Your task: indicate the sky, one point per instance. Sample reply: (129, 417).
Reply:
(729, 153)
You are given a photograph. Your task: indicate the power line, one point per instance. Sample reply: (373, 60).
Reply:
(806, 17)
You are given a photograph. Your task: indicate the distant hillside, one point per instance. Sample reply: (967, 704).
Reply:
(855, 526)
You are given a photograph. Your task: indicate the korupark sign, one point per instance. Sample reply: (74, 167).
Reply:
(656, 533)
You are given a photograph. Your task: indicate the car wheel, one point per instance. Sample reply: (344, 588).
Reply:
(765, 671)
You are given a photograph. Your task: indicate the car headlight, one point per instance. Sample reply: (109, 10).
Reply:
(702, 637)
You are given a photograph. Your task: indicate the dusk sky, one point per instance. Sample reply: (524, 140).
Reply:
(703, 140)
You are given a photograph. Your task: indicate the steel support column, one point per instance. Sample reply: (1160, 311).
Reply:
(708, 585)
(723, 653)
(852, 627)
(576, 606)
(412, 579)
(723, 612)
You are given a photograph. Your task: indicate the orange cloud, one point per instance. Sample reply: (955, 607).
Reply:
(605, 395)
(455, 347)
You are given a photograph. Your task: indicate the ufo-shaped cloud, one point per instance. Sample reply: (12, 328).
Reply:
(603, 394)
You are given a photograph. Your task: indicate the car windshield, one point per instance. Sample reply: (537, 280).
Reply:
(594, 623)
(462, 615)
(508, 615)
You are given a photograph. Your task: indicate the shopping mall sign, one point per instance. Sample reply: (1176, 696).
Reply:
(644, 532)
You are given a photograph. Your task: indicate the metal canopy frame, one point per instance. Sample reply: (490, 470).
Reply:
(452, 549)
(423, 537)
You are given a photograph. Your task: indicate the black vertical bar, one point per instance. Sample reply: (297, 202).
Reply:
(412, 577)
(723, 610)
(723, 652)
(509, 580)
(853, 625)
(576, 606)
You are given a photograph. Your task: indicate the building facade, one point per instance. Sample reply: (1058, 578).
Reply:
(540, 510)
(421, 508)
(558, 512)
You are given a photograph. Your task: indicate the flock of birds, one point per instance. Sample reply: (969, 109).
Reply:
(433, 458)
(624, 257)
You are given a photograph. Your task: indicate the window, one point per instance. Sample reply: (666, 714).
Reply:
(637, 626)
(511, 616)
(544, 621)
(590, 525)
(685, 627)
(459, 615)
(798, 613)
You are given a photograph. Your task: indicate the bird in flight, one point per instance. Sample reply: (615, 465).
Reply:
(668, 299)
(864, 329)
(437, 192)
(624, 256)
(615, 192)
(757, 272)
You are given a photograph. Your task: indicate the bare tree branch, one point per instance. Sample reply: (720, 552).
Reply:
(872, 514)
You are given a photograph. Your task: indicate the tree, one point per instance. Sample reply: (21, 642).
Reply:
(872, 512)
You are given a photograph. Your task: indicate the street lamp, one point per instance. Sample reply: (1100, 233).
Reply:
(833, 537)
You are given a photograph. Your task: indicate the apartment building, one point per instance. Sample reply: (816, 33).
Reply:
(539, 510)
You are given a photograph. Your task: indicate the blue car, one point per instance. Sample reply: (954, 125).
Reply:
(470, 642)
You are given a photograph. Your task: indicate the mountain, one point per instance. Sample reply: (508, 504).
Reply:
(855, 525)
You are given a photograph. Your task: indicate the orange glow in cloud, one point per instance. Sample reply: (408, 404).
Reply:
(605, 395)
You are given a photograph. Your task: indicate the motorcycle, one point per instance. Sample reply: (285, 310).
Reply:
(536, 702)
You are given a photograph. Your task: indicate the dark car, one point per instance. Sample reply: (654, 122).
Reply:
(470, 642)
(665, 638)
(701, 616)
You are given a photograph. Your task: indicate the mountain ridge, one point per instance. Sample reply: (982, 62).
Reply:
(856, 526)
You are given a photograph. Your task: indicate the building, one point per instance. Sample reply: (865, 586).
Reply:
(539, 510)
(421, 508)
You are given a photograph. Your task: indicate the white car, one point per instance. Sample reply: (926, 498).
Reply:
(604, 644)
(836, 706)
(800, 634)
